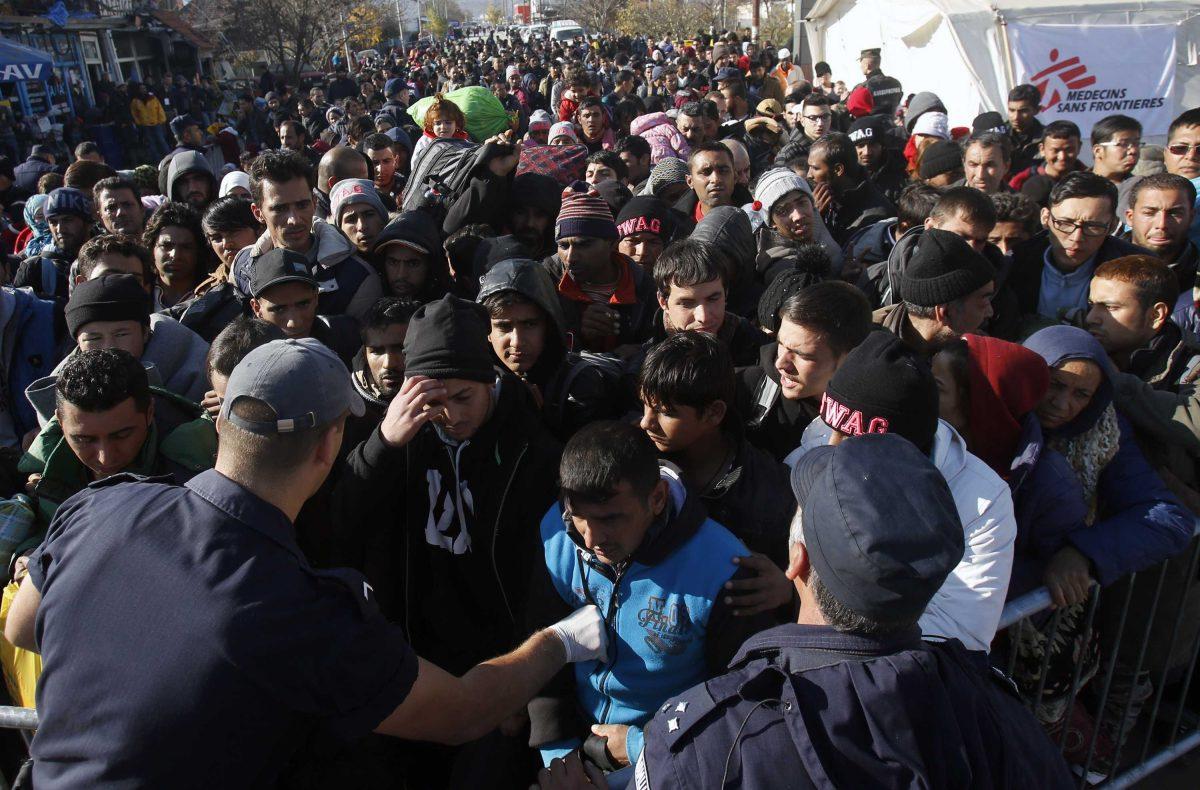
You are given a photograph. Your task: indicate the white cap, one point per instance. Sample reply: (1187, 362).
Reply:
(784, 53)
(933, 124)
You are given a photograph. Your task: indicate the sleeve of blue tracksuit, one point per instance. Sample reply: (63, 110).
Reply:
(633, 743)
(556, 749)
(1143, 522)
(555, 723)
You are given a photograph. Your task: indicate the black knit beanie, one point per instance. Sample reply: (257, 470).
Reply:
(646, 214)
(943, 268)
(448, 339)
(944, 156)
(109, 297)
(783, 285)
(539, 191)
(883, 386)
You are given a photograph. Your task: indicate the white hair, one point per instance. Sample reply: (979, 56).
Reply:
(796, 530)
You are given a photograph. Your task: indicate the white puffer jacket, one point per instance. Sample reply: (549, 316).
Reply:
(969, 604)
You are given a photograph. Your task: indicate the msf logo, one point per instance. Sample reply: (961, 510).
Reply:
(1069, 74)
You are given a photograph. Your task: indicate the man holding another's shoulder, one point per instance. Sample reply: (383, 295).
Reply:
(211, 632)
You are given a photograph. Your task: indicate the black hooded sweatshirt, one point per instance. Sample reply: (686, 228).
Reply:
(773, 423)
(453, 529)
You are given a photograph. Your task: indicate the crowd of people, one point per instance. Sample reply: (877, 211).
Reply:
(751, 396)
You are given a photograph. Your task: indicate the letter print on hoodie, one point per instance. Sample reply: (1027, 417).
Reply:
(451, 508)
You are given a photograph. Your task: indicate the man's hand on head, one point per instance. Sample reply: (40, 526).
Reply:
(418, 402)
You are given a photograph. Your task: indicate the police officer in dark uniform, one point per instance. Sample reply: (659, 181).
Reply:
(186, 641)
(886, 92)
(850, 696)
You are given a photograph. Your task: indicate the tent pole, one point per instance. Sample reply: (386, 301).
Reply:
(1008, 59)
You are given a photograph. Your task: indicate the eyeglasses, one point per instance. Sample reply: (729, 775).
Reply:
(1126, 144)
(1183, 149)
(817, 118)
(1069, 226)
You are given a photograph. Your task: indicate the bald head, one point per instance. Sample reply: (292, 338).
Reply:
(338, 164)
(741, 160)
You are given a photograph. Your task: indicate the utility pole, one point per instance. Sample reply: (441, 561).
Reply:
(754, 20)
(400, 23)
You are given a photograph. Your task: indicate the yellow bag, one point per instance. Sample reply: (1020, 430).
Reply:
(21, 667)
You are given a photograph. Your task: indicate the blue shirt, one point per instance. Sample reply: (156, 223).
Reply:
(1063, 292)
(187, 643)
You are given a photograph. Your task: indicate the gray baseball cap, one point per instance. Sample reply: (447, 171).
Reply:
(302, 380)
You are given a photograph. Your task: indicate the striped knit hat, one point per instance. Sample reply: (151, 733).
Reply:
(584, 213)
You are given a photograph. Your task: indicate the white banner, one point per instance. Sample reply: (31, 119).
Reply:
(1086, 72)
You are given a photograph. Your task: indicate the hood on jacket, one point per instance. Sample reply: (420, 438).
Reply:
(419, 230)
(644, 123)
(1059, 344)
(680, 519)
(175, 358)
(1006, 382)
(728, 228)
(530, 279)
(540, 191)
(897, 262)
(186, 162)
(364, 383)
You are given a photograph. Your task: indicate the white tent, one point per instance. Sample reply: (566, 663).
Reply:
(962, 49)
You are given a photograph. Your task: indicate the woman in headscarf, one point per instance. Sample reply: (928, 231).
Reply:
(1133, 522)
(38, 236)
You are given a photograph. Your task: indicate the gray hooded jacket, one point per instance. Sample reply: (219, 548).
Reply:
(174, 358)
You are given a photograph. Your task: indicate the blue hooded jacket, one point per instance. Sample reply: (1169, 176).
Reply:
(1139, 521)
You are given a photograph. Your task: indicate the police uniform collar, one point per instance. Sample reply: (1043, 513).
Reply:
(794, 638)
(240, 503)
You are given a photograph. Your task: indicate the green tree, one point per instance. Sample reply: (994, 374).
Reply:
(435, 22)
(493, 15)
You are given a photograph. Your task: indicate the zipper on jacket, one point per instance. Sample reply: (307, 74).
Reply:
(496, 531)
(611, 620)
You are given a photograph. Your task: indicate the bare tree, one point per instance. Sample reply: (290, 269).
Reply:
(294, 32)
(593, 14)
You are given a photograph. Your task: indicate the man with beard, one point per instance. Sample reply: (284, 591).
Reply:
(378, 369)
(607, 300)
(884, 166)
(69, 214)
(358, 212)
(283, 202)
(190, 180)
(389, 181)
(712, 182)
(844, 195)
(294, 137)
(120, 207)
(409, 255)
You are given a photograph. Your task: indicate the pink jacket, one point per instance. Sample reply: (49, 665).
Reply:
(665, 140)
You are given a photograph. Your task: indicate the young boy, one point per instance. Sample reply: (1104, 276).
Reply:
(692, 280)
(529, 338)
(687, 390)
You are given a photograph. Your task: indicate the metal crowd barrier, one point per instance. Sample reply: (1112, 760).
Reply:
(1161, 732)
(1155, 750)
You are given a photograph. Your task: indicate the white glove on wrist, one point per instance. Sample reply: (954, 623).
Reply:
(583, 635)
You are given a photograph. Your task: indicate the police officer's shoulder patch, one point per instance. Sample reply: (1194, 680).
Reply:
(130, 477)
(678, 715)
(355, 584)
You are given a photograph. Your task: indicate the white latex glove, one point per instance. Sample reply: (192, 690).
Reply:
(583, 635)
